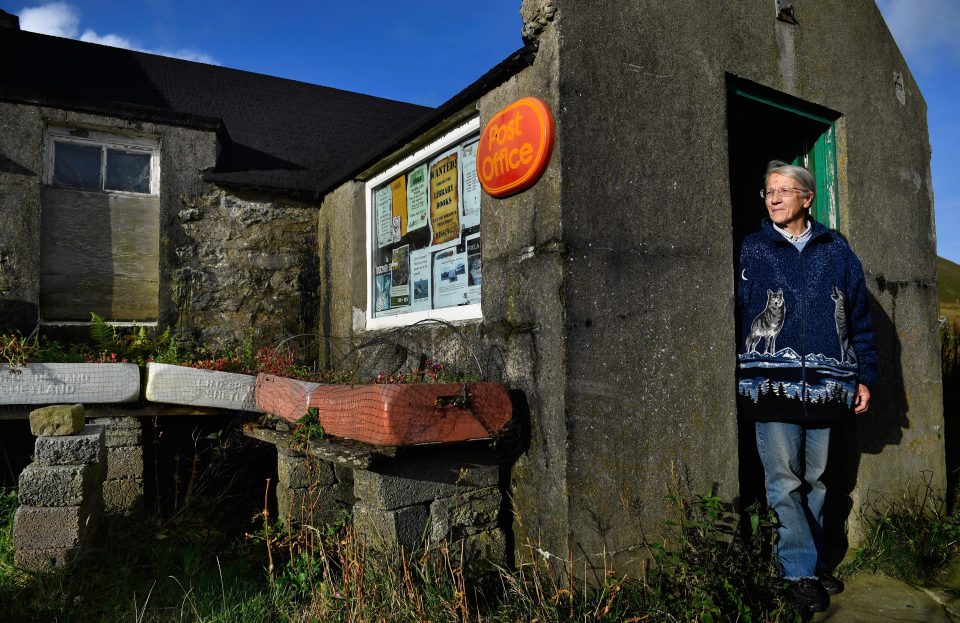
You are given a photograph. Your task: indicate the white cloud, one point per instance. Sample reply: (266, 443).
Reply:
(63, 20)
(925, 30)
(57, 18)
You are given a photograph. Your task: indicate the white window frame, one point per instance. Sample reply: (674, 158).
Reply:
(449, 314)
(103, 140)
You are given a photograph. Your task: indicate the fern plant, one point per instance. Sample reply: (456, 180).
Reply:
(103, 335)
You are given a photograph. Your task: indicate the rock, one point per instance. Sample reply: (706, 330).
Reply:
(57, 420)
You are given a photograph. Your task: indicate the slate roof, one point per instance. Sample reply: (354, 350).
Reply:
(276, 133)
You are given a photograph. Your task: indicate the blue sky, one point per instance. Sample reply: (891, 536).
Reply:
(424, 52)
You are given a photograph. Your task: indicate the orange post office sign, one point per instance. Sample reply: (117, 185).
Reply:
(515, 147)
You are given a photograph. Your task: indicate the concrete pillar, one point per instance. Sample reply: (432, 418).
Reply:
(441, 497)
(123, 479)
(310, 490)
(60, 494)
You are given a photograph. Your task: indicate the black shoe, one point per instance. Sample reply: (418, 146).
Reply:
(831, 584)
(808, 595)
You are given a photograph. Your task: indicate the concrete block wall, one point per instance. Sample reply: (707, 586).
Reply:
(311, 491)
(123, 473)
(432, 499)
(60, 499)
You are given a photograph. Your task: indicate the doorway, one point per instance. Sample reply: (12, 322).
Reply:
(765, 125)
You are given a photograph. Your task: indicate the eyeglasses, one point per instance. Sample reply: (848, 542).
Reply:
(782, 192)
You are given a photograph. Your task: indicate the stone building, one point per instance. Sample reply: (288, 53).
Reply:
(607, 287)
(155, 190)
(606, 294)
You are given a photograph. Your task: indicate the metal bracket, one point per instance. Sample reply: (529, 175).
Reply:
(785, 12)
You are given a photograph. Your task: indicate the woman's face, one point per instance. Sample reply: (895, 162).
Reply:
(788, 208)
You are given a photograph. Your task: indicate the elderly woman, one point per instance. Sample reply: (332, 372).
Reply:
(806, 359)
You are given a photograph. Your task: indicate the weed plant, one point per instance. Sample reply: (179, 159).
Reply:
(911, 538)
(706, 567)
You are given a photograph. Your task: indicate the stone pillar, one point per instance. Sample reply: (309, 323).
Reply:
(310, 490)
(60, 493)
(442, 496)
(123, 481)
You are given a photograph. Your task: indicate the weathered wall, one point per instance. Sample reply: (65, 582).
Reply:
(229, 261)
(20, 170)
(646, 210)
(244, 263)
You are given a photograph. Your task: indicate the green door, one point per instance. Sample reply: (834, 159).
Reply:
(765, 125)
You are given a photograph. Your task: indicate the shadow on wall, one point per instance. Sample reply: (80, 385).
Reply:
(17, 316)
(869, 433)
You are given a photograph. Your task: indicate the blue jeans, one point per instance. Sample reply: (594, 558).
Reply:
(794, 457)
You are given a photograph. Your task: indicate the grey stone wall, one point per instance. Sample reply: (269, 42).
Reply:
(21, 159)
(439, 498)
(520, 340)
(244, 262)
(184, 153)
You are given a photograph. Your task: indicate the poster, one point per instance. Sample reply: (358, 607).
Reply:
(444, 209)
(400, 277)
(474, 268)
(449, 278)
(398, 194)
(383, 214)
(471, 185)
(418, 198)
(420, 278)
(381, 276)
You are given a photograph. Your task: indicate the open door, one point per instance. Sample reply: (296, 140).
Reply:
(765, 125)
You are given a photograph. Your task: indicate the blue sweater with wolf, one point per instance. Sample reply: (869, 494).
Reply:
(806, 339)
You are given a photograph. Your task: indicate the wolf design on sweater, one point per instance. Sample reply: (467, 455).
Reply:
(818, 353)
(767, 324)
(840, 318)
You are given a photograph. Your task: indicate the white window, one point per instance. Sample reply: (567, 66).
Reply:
(98, 161)
(423, 234)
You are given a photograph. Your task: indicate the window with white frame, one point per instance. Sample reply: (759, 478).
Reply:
(100, 161)
(423, 234)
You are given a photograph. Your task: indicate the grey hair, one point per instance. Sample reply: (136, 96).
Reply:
(800, 175)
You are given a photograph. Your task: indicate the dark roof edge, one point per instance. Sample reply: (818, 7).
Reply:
(122, 110)
(228, 180)
(500, 73)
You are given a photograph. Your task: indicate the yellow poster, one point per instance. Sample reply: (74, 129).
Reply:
(444, 212)
(398, 188)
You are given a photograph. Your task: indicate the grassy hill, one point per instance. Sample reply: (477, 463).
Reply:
(948, 279)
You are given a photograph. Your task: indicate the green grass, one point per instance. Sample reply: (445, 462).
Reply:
(948, 289)
(199, 575)
(948, 281)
